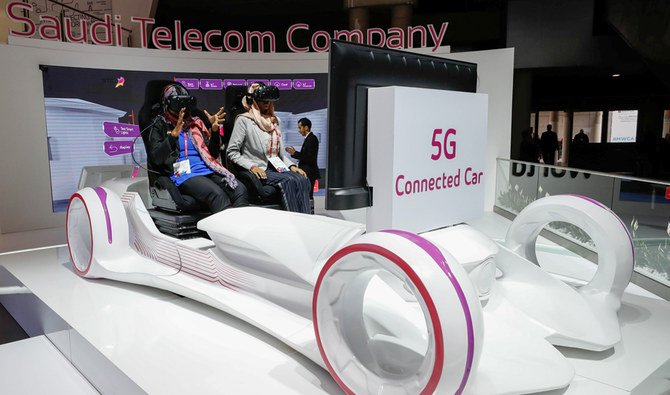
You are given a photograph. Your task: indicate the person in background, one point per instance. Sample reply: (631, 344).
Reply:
(178, 146)
(549, 145)
(256, 147)
(579, 150)
(581, 138)
(308, 152)
(528, 149)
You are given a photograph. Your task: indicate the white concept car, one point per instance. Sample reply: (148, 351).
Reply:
(391, 312)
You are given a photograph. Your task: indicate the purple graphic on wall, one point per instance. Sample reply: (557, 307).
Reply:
(97, 101)
(209, 84)
(189, 83)
(304, 84)
(113, 148)
(283, 85)
(115, 129)
(228, 83)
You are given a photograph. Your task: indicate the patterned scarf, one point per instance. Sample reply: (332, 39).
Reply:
(265, 122)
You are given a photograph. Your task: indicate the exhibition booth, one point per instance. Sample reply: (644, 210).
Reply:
(405, 280)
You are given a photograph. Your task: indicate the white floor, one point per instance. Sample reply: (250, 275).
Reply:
(35, 366)
(171, 345)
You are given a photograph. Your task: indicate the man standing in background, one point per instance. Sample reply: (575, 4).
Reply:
(308, 153)
(549, 145)
(581, 138)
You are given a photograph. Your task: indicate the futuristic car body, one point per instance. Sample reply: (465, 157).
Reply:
(392, 312)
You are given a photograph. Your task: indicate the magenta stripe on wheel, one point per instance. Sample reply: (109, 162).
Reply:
(437, 256)
(102, 194)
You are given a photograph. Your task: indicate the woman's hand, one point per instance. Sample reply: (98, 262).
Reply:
(258, 172)
(298, 170)
(216, 119)
(180, 124)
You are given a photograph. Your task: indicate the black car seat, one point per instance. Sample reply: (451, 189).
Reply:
(270, 196)
(174, 213)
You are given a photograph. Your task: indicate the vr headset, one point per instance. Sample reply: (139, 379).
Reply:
(181, 100)
(176, 103)
(266, 93)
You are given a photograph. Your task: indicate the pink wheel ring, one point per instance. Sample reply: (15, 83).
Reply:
(370, 335)
(79, 234)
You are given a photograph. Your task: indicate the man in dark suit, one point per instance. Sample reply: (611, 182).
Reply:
(308, 153)
(549, 145)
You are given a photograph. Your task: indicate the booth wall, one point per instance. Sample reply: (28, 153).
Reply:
(495, 75)
(25, 190)
(25, 183)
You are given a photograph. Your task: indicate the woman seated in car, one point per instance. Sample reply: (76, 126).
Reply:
(178, 147)
(256, 147)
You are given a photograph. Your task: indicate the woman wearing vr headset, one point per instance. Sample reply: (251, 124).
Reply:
(178, 144)
(256, 147)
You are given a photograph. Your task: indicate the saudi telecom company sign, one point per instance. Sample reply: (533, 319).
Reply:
(108, 31)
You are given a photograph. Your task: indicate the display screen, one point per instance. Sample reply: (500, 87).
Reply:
(353, 68)
(622, 126)
(91, 115)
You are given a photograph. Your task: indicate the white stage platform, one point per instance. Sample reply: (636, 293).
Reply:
(166, 344)
(35, 366)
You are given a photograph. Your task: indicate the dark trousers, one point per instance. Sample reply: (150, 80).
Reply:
(548, 157)
(212, 191)
(294, 189)
(291, 188)
(311, 189)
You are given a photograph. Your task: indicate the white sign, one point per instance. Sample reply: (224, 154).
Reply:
(623, 126)
(426, 161)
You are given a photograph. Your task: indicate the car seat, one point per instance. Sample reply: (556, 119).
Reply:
(269, 196)
(174, 213)
(164, 194)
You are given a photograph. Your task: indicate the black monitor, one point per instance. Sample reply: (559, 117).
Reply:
(353, 68)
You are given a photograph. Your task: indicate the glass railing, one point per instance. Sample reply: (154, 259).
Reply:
(643, 205)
